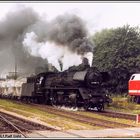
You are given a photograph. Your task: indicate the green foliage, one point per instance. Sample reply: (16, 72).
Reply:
(123, 104)
(118, 51)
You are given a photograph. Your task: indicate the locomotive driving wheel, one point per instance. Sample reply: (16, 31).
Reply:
(100, 107)
(73, 99)
(86, 105)
(54, 100)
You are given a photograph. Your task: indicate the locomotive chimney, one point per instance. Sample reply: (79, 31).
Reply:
(85, 62)
(61, 65)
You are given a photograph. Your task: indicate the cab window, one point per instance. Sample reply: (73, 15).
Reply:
(133, 77)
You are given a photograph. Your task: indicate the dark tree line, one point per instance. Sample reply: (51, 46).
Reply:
(117, 51)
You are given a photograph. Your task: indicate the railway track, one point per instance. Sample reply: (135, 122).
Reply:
(108, 113)
(104, 113)
(10, 127)
(13, 124)
(117, 115)
(82, 118)
(86, 119)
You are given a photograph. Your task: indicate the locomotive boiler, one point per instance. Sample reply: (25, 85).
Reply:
(75, 88)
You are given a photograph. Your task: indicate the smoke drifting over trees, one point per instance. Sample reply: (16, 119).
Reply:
(69, 30)
(31, 42)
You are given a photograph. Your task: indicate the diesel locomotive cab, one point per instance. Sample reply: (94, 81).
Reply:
(134, 87)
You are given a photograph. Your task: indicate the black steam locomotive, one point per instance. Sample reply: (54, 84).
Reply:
(76, 88)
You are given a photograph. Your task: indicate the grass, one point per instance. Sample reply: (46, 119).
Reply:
(122, 104)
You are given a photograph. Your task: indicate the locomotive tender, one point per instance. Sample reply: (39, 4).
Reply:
(85, 88)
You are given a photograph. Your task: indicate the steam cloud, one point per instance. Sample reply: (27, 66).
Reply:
(65, 40)
(31, 42)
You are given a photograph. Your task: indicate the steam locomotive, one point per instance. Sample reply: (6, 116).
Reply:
(85, 87)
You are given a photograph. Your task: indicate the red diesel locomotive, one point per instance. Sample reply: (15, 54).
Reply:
(134, 87)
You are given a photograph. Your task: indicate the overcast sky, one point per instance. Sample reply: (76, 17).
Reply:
(97, 15)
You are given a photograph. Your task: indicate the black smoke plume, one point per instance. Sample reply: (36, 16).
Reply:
(70, 30)
(66, 31)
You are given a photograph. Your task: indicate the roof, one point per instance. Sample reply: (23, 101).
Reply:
(135, 76)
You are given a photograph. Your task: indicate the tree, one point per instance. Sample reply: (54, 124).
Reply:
(118, 51)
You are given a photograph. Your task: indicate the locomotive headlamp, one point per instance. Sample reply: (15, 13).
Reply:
(94, 82)
(107, 95)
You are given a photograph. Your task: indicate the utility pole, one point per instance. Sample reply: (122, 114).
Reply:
(60, 64)
(15, 76)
